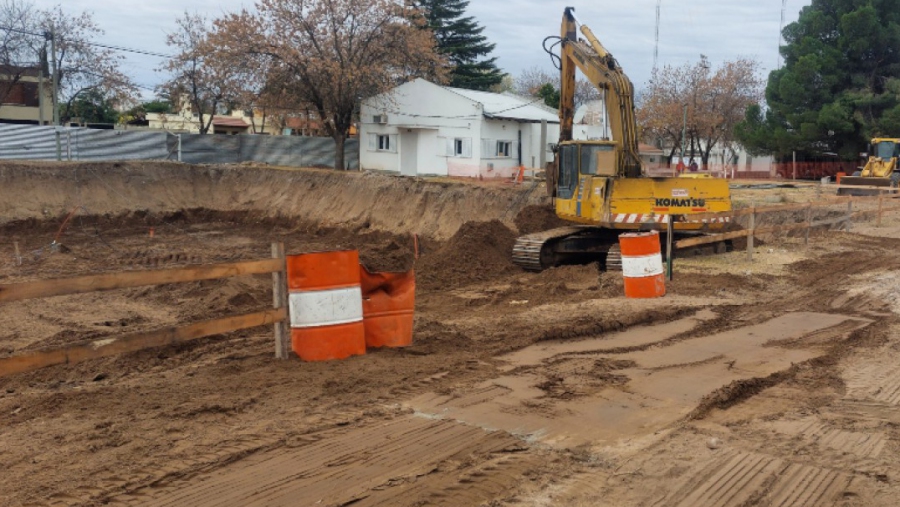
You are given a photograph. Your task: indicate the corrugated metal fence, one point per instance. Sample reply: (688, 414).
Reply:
(32, 142)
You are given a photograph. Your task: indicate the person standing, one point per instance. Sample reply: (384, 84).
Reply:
(680, 167)
(693, 166)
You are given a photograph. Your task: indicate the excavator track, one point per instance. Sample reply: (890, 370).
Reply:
(529, 249)
(584, 244)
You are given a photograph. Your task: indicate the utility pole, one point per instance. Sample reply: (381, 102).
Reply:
(683, 132)
(55, 72)
(55, 99)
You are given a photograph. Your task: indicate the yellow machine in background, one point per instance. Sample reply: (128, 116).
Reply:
(600, 184)
(881, 169)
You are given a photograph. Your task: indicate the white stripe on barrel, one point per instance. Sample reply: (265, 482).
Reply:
(326, 307)
(644, 265)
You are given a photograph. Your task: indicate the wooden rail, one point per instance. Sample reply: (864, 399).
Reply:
(127, 279)
(30, 361)
(113, 345)
(754, 211)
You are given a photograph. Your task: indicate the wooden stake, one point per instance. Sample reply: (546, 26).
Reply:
(849, 213)
(880, 208)
(18, 255)
(808, 224)
(280, 300)
(750, 235)
(670, 232)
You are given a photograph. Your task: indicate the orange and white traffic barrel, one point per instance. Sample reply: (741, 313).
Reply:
(389, 300)
(642, 265)
(326, 305)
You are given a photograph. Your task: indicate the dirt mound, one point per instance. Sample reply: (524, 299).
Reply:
(537, 218)
(479, 251)
(329, 198)
(390, 256)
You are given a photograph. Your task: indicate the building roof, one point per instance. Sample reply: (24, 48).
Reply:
(648, 149)
(508, 107)
(229, 121)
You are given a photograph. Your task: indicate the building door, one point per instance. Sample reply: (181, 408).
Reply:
(409, 153)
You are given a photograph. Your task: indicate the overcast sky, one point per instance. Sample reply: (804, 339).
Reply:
(721, 29)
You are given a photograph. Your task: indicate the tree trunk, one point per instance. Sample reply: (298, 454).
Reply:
(339, 138)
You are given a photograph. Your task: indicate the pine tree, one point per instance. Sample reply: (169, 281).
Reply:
(840, 83)
(460, 39)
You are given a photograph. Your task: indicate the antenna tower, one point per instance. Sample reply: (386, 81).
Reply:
(656, 47)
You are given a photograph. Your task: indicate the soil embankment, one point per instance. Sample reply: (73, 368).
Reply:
(348, 199)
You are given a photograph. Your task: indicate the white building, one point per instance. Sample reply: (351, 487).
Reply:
(420, 128)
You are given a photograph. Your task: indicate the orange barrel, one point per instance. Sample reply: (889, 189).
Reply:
(326, 305)
(388, 303)
(838, 177)
(642, 265)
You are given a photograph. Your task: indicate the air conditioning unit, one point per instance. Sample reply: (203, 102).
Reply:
(381, 118)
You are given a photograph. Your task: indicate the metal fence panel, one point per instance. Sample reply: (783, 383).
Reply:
(91, 144)
(210, 149)
(33, 142)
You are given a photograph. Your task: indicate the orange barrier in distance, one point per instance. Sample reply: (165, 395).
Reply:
(642, 265)
(326, 305)
(389, 300)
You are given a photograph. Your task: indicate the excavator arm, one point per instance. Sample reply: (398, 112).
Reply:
(604, 72)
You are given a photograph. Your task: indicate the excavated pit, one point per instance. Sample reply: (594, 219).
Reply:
(522, 355)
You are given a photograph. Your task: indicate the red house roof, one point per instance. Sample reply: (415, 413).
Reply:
(229, 121)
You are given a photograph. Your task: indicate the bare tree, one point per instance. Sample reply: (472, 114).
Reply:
(25, 33)
(334, 52)
(19, 48)
(701, 104)
(199, 77)
(82, 65)
(529, 82)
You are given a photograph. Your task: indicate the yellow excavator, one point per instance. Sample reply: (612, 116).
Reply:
(600, 185)
(881, 169)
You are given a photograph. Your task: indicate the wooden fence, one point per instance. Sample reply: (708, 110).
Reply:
(753, 212)
(109, 346)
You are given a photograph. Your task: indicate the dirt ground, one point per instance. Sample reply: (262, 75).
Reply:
(764, 382)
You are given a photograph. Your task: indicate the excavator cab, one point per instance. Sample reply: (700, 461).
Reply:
(583, 158)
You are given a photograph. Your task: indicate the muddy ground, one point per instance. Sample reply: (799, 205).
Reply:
(763, 382)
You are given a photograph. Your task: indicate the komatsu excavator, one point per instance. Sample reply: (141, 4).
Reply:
(600, 185)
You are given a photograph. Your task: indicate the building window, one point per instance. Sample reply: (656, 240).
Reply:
(503, 148)
(458, 147)
(383, 142)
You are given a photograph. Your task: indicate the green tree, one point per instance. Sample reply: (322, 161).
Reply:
(549, 94)
(157, 106)
(460, 39)
(840, 83)
(91, 106)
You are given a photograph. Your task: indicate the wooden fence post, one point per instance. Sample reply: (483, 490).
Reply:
(280, 300)
(750, 236)
(880, 208)
(808, 223)
(849, 213)
(670, 232)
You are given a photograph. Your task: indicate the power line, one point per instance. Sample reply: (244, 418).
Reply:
(95, 44)
(130, 50)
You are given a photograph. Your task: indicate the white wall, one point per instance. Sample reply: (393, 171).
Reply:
(435, 113)
(439, 116)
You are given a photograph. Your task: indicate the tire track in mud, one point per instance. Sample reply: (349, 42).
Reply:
(862, 445)
(876, 382)
(400, 462)
(743, 478)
